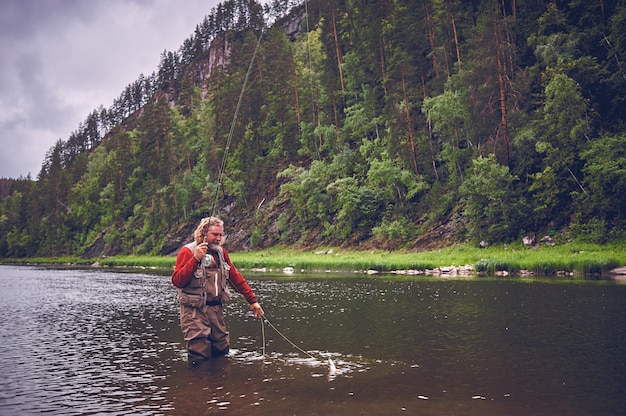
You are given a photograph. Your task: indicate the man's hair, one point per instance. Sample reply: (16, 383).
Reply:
(203, 227)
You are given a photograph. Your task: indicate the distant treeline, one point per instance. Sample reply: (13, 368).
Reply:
(387, 122)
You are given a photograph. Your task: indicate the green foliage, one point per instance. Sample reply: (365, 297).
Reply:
(400, 230)
(450, 120)
(565, 133)
(283, 228)
(602, 205)
(490, 207)
(306, 191)
(255, 238)
(354, 130)
(18, 244)
(347, 196)
(592, 231)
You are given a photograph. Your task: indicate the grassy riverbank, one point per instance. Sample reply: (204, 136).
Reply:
(577, 258)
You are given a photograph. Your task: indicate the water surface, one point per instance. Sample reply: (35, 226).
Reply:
(95, 342)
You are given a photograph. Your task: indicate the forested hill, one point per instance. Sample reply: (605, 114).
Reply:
(405, 123)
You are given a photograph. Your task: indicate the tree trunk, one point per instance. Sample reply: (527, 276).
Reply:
(409, 124)
(295, 88)
(430, 35)
(508, 37)
(456, 37)
(382, 65)
(337, 50)
(503, 133)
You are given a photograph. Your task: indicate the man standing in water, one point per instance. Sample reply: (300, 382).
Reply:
(202, 273)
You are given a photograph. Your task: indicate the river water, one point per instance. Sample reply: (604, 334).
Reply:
(93, 342)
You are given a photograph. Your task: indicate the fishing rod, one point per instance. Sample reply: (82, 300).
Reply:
(232, 124)
(243, 87)
(331, 364)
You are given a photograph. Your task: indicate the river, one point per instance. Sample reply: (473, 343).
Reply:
(94, 341)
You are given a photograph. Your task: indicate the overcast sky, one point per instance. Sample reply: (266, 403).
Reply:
(61, 59)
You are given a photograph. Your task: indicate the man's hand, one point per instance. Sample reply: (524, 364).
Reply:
(200, 251)
(257, 310)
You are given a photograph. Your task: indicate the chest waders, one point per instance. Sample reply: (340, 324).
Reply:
(201, 313)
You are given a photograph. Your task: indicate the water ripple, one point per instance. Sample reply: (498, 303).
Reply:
(91, 342)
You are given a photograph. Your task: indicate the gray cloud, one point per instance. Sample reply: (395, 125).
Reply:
(61, 59)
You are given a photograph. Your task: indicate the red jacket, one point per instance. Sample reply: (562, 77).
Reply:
(186, 265)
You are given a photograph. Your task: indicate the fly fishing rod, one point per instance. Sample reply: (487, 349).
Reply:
(331, 364)
(232, 124)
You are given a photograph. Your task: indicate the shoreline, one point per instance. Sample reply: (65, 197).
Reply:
(572, 259)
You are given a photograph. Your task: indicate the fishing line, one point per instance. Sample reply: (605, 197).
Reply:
(284, 337)
(263, 333)
(332, 370)
(232, 124)
(264, 319)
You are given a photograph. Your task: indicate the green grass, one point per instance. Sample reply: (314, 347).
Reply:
(578, 258)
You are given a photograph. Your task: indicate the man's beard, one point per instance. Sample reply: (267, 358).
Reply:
(214, 246)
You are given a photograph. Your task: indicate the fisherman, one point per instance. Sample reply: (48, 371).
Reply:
(202, 274)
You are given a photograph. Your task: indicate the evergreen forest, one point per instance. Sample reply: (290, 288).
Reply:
(400, 124)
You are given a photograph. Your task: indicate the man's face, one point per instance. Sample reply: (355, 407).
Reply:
(214, 235)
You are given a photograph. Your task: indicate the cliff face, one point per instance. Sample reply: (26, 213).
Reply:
(5, 186)
(292, 23)
(240, 221)
(219, 51)
(220, 48)
(218, 58)
(200, 72)
(237, 226)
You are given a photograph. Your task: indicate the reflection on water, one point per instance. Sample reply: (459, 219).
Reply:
(93, 342)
